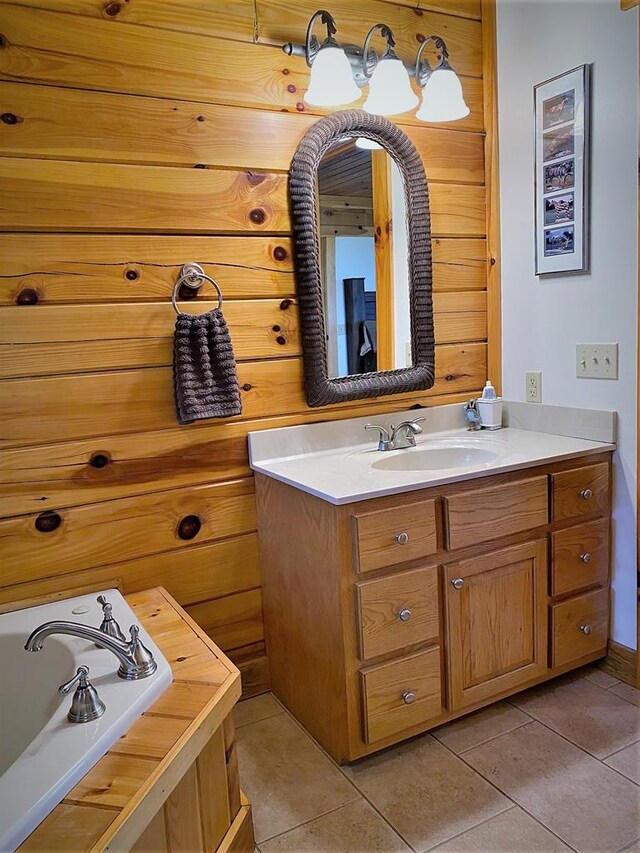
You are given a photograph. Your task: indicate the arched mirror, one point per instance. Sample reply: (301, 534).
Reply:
(364, 287)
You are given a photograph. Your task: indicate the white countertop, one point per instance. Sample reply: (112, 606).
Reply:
(339, 463)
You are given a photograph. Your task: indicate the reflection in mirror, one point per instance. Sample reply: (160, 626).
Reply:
(363, 260)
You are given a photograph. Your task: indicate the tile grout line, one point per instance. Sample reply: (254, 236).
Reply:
(564, 737)
(615, 752)
(320, 750)
(389, 824)
(628, 847)
(587, 753)
(361, 795)
(307, 822)
(624, 698)
(260, 720)
(504, 794)
(489, 739)
(469, 829)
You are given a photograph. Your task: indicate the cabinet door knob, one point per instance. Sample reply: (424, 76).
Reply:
(586, 494)
(458, 583)
(404, 615)
(586, 629)
(408, 697)
(402, 538)
(586, 557)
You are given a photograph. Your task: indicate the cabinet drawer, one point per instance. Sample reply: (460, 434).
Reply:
(400, 694)
(398, 611)
(580, 557)
(485, 514)
(579, 626)
(580, 491)
(395, 535)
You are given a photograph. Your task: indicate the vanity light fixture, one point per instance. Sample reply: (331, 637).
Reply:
(338, 73)
(331, 81)
(442, 98)
(390, 91)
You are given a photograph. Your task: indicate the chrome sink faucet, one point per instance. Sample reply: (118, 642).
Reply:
(400, 437)
(136, 661)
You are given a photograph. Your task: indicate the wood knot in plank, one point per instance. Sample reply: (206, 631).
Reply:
(47, 522)
(28, 296)
(112, 9)
(99, 460)
(189, 527)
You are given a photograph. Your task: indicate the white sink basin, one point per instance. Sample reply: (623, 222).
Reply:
(436, 458)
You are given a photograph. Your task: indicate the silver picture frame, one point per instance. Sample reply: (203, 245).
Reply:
(561, 108)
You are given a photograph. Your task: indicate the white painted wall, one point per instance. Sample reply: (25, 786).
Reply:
(543, 319)
(355, 258)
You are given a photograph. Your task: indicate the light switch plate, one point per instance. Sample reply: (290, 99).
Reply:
(597, 361)
(533, 389)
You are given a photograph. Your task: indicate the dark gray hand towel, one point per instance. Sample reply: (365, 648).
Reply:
(205, 379)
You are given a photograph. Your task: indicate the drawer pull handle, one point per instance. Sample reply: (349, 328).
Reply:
(402, 538)
(404, 615)
(586, 629)
(586, 494)
(585, 558)
(408, 697)
(458, 583)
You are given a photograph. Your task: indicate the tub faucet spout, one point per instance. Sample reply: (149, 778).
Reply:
(136, 661)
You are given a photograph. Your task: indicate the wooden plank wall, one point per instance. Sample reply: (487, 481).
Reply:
(137, 135)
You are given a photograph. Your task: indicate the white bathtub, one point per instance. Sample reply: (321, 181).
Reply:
(42, 755)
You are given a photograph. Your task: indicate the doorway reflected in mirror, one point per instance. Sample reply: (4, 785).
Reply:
(363, 261)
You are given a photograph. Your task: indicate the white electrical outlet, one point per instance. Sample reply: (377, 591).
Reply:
(597, 361)
(533, 391)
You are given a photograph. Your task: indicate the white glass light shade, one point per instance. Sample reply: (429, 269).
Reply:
(442, 98)
(331, 81)
(367, 144)
(390, 91)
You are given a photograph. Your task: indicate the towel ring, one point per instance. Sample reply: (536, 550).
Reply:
(193, 276)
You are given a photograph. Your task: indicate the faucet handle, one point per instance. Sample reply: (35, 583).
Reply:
(81, 677)
(413, 424)
(384, 439)
(384, 432)
(109, 625)
(86, 705)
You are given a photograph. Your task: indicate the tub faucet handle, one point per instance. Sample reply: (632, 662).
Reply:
(86, 705)
(109, 625)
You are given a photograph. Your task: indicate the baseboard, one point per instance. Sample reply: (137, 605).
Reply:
(621, 662)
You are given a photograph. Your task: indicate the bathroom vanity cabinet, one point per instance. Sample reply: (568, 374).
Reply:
(389, 616)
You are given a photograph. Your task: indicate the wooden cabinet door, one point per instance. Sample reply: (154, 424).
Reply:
(496, 622)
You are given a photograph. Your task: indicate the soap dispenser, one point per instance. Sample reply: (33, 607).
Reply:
(490, 408)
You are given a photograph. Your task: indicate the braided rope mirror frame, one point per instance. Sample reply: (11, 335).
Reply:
(319, 388)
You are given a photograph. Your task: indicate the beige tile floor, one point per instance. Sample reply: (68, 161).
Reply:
(556, 768)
